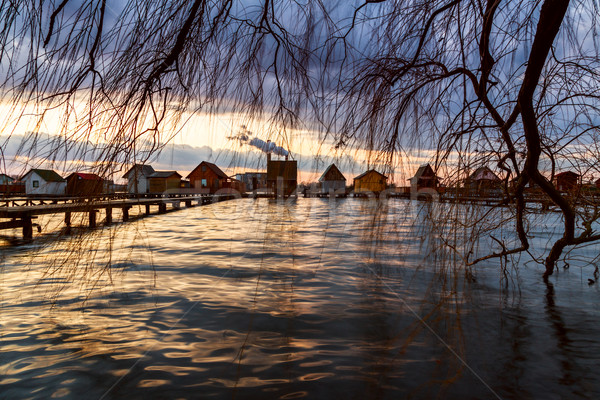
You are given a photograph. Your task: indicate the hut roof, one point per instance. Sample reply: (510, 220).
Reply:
(85, 176)
(164, 174)
(8, 177)
(46, 174)
(368, 172)
(332, 173)
(142, 169)
(424, 171)
(566, 173)
(212, 167)
(484, 173)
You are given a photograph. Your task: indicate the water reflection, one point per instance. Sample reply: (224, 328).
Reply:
(308, 299)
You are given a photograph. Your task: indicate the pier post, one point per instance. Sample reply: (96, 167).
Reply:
(162, 208)
(188, 203)
(125, 214)
(68, 219)
(147, 209)
(108, 216)
(92, 215)
(27, 227)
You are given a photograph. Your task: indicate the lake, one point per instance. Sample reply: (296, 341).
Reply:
(309, 298)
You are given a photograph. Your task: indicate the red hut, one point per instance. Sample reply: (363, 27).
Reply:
(84, 184)
(207, 178)
(566, 181)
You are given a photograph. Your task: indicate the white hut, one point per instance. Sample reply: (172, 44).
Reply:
(137, 178)
(44, 182)
(332, 180)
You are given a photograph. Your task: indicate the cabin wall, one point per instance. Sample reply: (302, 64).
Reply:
(43, 188)
(335, 186)
(142, 184)
(372, 182)
(160, 185)
(212, 181)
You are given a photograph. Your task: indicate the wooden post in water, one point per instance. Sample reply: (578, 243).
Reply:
(27, 227)
(162, 208)
(147, 209)
(92, 215)
(68, 219)
(125, 214)
(108, 216)
(188, 203)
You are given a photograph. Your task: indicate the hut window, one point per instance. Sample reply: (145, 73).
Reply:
(204, 168)
(36, 184)
(203, 182)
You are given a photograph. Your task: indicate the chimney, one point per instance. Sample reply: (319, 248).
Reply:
(268, 151)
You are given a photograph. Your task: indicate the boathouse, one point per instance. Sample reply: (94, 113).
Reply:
(483, 181)
(207, 178)
(162, 181)
(370, 181)
(282, 176)
(566, 181)
(332, 180)
(44, 182)
(425, 178)
(137, 178)
(84, 184)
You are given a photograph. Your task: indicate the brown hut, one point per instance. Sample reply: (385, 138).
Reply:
(207, 178)
(566, 181)
(370, 181)
(84, 184)
(282, 176)
(425, 178)
(162, 181)
(483, 181)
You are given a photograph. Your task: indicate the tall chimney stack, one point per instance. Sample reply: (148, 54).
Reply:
(268, 151)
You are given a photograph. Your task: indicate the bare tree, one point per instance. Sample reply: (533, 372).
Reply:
(475, 81)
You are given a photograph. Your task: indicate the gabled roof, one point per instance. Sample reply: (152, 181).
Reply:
(164, 174)
(85, 176)
(142, 169)
(566, 173)
(212, 167)
(332, 173)
(7, 176)
(423, 169)
(483, 173)
(46, 174)
(368, 172)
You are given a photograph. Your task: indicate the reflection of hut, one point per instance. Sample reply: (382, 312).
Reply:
(566, 181)
(483, 181)
(83, 184)
(332, 180)
(162, 181)
(44, 182)
(370, 181)
(207, 178)
(282, 176)
(137, 178)
(425, 178)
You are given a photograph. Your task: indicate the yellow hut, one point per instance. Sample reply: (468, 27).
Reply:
(370, 181)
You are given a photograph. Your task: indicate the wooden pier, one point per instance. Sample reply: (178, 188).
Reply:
(22, 216)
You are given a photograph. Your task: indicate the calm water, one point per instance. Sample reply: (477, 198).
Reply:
(255, 299)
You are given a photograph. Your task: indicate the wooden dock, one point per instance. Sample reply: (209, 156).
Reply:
(22, 216)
